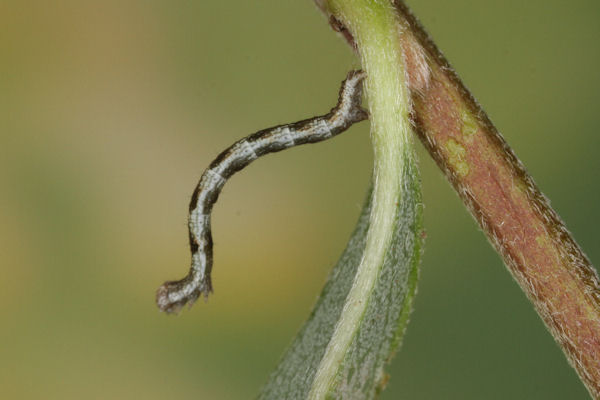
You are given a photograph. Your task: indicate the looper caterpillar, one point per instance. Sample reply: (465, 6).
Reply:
(172, 295)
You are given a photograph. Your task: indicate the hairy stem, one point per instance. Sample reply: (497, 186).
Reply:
(538, 250)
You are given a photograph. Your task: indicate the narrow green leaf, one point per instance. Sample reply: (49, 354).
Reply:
(381, 327)
(360, 318)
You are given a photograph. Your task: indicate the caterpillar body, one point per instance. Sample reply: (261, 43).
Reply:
(173, 295)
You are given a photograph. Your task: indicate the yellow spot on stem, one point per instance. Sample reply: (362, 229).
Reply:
(456, 157)
(541, 241)
(469, 127)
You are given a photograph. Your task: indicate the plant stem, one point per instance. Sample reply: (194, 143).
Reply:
(373, 24)
(538, 250)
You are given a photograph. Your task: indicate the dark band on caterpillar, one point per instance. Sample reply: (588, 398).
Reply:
(173, 295)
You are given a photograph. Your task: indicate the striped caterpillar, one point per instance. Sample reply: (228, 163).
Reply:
(173, 295)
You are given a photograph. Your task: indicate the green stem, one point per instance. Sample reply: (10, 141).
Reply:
(374, 26)
(537, 248)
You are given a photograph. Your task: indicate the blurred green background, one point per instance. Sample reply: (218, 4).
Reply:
(109, 112)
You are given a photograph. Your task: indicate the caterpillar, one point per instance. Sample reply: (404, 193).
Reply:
(173, 295)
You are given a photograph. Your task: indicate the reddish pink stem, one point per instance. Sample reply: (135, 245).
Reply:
(538, 250)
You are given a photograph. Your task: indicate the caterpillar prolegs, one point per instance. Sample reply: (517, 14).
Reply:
(173, 295)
